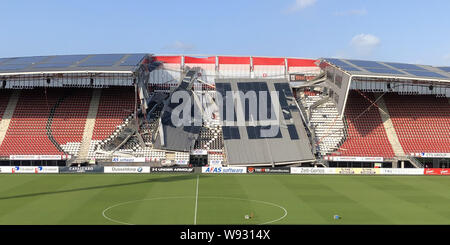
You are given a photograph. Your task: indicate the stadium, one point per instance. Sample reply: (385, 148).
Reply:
(113, 114)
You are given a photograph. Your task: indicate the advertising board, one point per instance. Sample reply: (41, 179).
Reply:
(364, 171)
(224, 170)
(402, 171)
(354, 159)
(30, 169)
(126, 169)
(431, 155)
(6, 169)
(87, 169)
(35, 157)
(262, 170)
(171, 170)
(436, 171)
(300, 170)
(128, 159)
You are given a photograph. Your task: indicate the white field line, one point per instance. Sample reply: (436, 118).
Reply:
(196, 203)
(184, 197)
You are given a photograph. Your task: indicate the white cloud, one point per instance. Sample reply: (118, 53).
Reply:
(301, 4)
(353, 12)
(180, 46)
(364, 44)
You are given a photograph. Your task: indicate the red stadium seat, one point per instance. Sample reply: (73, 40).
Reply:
(115, 105)
(28, 133)
(422, 122)
(366, 135)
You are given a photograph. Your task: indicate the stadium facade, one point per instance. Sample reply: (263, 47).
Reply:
(119, 109)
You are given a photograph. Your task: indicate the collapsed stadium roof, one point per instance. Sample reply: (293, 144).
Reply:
(245, 144)
(178, 138)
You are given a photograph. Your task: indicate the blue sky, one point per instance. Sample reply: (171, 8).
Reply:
(404, 31)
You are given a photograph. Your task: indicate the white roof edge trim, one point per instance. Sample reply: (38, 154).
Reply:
(346, 96)
(405, 78)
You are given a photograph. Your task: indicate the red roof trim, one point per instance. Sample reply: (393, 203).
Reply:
(268, 61)
(301, 62)
(195, 60)
(223, 60)
(168, 59)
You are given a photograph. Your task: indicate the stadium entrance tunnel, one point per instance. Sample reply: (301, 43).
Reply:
(198, 160)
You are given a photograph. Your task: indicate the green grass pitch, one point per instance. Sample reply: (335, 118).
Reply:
(92, 199)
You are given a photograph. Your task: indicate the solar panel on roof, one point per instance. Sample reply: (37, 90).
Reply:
(65, 59)
(368, 64)
(425, 73)
(102, 60)
(447, 69)
(384, 71)
(25, 60)
(3, 60)
(343, 65)
(104, 63)
(405, 66)
(51, 65)
(5, 67)
(132, 60)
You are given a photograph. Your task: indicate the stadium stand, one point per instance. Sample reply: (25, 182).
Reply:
(72, 113)
(47, 122)
(324, 120)
(422, 122)
(365, 133)
(116, 104)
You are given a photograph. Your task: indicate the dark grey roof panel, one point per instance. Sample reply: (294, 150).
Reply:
(178, 138)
